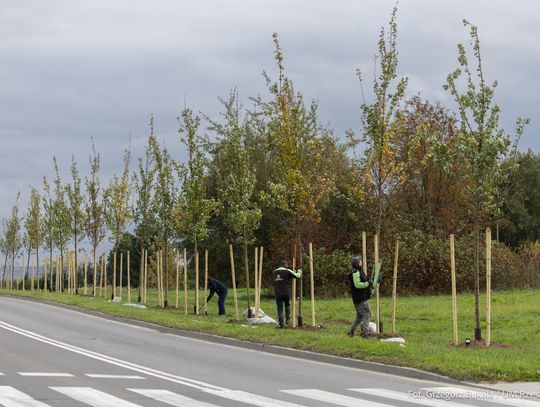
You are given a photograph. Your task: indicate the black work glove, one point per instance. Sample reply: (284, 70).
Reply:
(370, 283)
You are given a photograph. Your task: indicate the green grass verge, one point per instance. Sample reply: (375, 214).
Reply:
(425, 322)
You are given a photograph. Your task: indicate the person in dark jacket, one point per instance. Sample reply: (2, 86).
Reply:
(217, 287)
(282, 289)
(360, 286)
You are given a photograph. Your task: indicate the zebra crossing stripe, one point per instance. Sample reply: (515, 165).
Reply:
(406, 397)
(250, 398)
(173, 399)
(114, 376)
(44, 374)
(10, 397)
(334, 398)
(93, 397)
(490, 396)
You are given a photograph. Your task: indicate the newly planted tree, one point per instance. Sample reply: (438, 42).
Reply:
(194, 208)
(163, 202)
(62, 220)
(48, 228)
(381, 167)
(142, 211)
(34, 226)
(483, 147)
(236, 177)
(117, 208)
(13, 237)
(95, 220)
(301, 177)
(76, 210)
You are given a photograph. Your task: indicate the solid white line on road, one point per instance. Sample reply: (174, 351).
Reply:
(490, 396)
(10, 397)
(113, 361)
(45, 374)
(250, 398)
(93, 397)
(413, 398)
(334, 398)
(114, 376)
(168, 397)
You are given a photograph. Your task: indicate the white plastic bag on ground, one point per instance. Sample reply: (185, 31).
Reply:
(261, 312)
(261, 320)
(394, 340)
(372, 328)
(139, 306)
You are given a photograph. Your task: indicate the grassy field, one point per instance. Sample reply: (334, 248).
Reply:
(425, 322)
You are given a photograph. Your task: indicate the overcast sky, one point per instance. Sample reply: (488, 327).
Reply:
(72, 69)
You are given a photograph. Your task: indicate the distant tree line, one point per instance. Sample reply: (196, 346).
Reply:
(271, 173)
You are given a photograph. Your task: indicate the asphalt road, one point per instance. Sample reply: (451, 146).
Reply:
(52, 356)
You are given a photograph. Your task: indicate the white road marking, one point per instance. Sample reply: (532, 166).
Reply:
(93, 397)
(405, 397)
(236, 395)
(250, 398)
(10, 397)
(484, 395)
(168, 397)
(334, 398)
(45, 374)
(114, 376)
(113, 361)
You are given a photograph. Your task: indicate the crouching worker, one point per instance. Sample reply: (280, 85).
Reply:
(217, 287)
(282, 289)
(360, 286)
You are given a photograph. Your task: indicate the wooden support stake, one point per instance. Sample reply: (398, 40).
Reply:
(488, 286)
(33, 275)
(454, 295)
(293, 313)
(260, 277)
(205, 280)
(185, 283)
(364, 253)
(128, 278)
(197, 282)
(233, 276)
(114, 276)
(103, 274)
(394, 288)
(377, 304)
(311, 285)
(256, 264)
(121, 272)
(46, 266)
(24, 275)
(158, 277)
(177, 260)
(145, 273)
(85, 274)
(94, 283)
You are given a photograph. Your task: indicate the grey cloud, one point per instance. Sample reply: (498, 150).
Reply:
(70, 71)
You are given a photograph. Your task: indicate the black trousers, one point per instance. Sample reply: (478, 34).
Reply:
(280, 301)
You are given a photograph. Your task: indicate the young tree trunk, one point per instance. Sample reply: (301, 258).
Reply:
(4, 272)
(51, 270)
(246, 267)
(128, 277)
(95, 273)
(166, 284)
(76, 264)
(37, 265)
(477, 329)
(141, 274)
